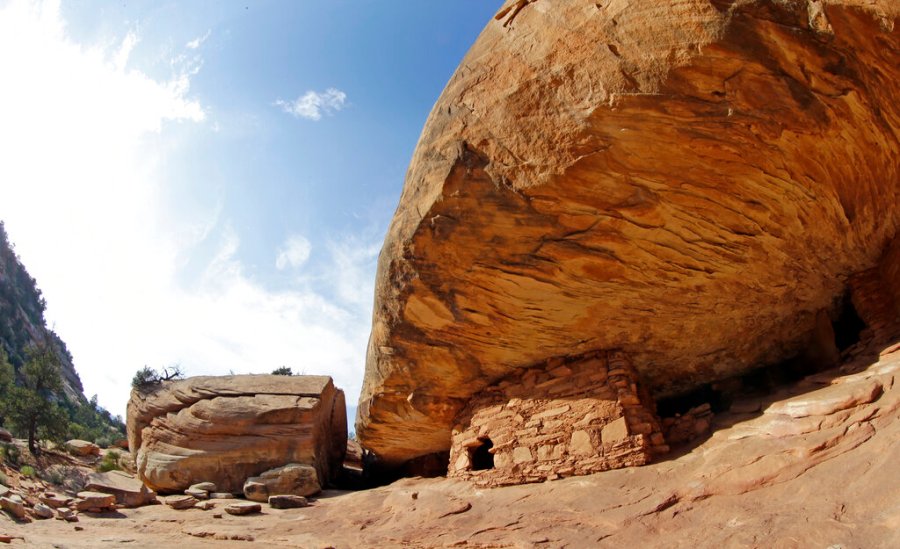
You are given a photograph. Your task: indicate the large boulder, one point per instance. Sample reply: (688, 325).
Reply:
(689, 182)
(226, 429)
(129, 491)
(82, 448)
(293, 479)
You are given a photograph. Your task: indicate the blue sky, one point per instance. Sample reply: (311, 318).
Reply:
(208, 183)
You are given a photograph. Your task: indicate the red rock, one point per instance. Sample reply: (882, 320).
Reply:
(14, 506)
(55, 500)
(82, 448)
(95, 502)
(292, 479)
(243, 508)
(183, 431)
(180, 502)
(287, 502)
(828, 401)
(691, 182)
(128, 491)
(41, 511)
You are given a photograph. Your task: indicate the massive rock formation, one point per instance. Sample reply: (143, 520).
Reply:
(690, 182)
(22, 323)
(227, 429)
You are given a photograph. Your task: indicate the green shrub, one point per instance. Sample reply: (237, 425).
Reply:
(53, 476)
(11, 454)
(110, 462)
(147, 377)
(27, 471)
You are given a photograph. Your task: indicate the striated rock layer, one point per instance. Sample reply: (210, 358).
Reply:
(227, 429)
(691, 182)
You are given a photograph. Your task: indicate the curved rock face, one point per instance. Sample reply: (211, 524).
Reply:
(690, 182)
(227, 429)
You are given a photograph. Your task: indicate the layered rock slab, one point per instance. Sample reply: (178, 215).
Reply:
(127, 490)
(227, 429)
(691, 182)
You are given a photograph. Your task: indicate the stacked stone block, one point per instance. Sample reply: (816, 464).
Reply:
(572, 416)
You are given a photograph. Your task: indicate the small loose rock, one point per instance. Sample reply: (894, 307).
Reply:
(205, 486)
(14, 506)
(181, 502)
(287, 502)
(199, 494)
(42, 511)
(243, 508)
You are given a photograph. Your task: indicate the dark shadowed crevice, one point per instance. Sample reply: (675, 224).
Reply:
(849, 326)
(679, 404)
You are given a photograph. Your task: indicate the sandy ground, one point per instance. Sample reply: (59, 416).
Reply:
(820, 467)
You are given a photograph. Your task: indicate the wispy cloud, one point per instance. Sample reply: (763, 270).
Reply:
(197, 42)
(293, 253)
(86, 200)
(311, 105)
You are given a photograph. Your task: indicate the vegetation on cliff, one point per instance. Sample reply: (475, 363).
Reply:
(41, 397)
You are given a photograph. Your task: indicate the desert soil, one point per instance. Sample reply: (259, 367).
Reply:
(816, 467)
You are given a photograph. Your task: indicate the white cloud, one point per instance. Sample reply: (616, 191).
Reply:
(354, 261)
(84, 146)
(197, 42)
(293, 253)
(312, 104)
(124, 52)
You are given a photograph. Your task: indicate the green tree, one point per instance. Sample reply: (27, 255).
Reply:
(32, 407)
(7, 379)
(283, 371)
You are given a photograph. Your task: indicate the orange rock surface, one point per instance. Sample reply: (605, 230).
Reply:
(691, 182)
(229, 428)
(763, 479)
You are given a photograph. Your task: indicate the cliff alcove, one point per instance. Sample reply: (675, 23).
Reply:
(692, 183)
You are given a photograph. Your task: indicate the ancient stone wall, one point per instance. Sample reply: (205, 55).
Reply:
(567, 417)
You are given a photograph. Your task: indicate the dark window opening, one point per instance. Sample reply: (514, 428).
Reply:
(849, 326)
(679, 404)
(480, 456)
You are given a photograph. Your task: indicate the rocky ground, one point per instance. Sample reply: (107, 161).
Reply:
(814, 465)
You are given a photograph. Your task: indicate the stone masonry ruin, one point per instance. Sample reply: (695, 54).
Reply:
(720, 206)
(589, 413)
(568, 417)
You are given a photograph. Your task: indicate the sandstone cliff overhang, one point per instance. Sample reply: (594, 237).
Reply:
(229, 428)
(691, 182)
